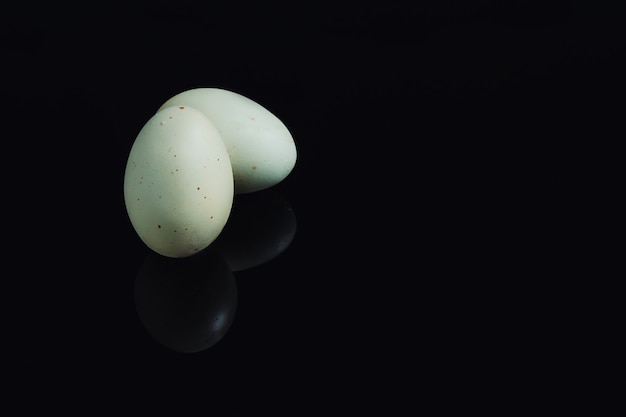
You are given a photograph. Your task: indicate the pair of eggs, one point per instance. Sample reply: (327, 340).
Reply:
(188, 161)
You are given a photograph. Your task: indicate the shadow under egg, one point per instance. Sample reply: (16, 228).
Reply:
(188, 304)
(261, 226)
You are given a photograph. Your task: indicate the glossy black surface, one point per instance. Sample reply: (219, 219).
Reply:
(415, 255)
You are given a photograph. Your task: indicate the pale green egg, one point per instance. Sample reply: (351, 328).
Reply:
(178, 183)
(262, 151)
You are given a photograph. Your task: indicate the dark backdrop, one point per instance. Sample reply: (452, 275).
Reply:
(442, 147)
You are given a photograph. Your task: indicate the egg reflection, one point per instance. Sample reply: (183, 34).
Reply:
(188, 304)
(260, 227)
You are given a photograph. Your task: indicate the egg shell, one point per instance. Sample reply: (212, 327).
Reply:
(261, 148)
(178, 183)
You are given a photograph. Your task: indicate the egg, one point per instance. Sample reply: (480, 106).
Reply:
(261, 149)
(178, 182)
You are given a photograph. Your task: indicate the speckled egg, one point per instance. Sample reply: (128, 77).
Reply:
(178, 183)
(261, 149)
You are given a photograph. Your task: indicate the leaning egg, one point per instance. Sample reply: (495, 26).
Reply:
(178, 183)
(261, 148)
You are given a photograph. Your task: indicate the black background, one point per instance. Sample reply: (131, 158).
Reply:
(442, 147)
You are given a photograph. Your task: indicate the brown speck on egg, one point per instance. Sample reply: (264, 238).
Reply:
(170, 118)
(182, 107)
(253, 166)
(159, 226)
(197, 188)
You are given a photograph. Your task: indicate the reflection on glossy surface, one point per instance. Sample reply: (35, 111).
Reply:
(187, 304)
(260, 227)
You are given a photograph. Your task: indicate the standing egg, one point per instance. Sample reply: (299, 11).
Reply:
(261, 148)
(178, 183)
